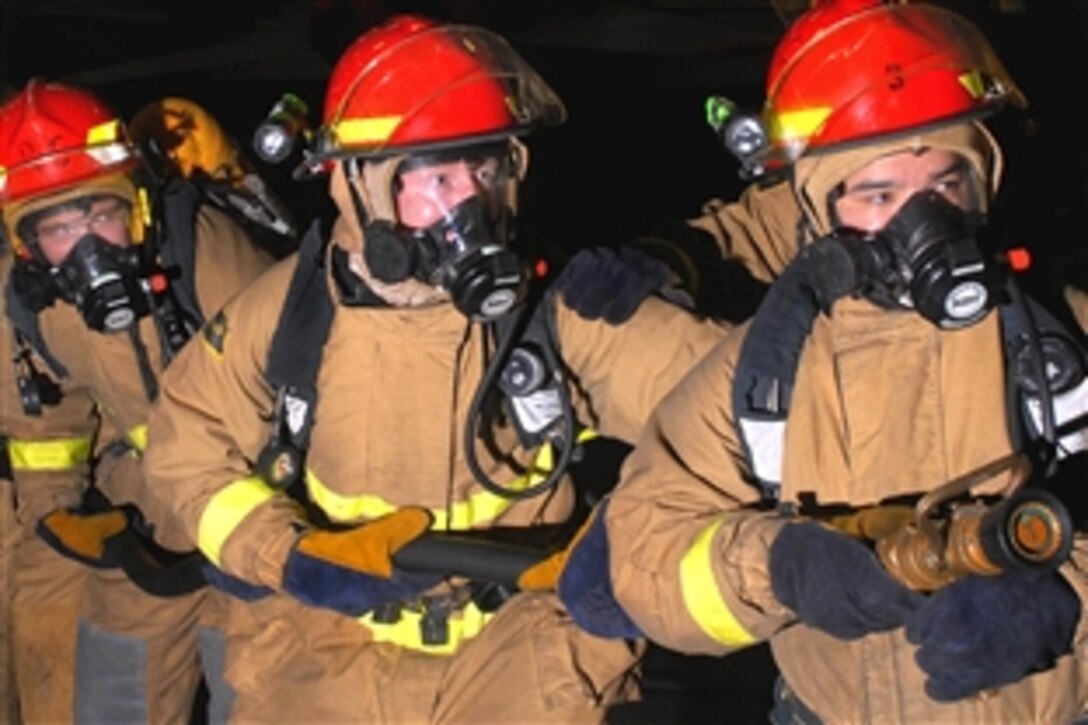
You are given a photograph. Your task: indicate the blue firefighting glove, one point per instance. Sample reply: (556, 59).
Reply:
(835, 583)
(351, 571)
(580, 575)
(609, 283)
(984, 632)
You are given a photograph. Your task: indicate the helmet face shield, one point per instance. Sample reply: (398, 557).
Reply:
(55, 230)
(428, 187)
(820, 179)
(871, 196)
(19, 216)
(412, 86)
(449, 223)
(452, 204)
(886, 70)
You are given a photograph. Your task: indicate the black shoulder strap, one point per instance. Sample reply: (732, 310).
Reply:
(25, 322)
(180, 204)
(295, 355)
(1028, 329)
(767, 365)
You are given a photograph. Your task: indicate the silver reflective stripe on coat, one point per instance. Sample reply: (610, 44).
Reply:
(213, 658)
(111, 685)
(1067, 406)
(764, 439)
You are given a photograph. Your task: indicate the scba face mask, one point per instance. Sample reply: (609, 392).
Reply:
(453, 230)
(102, 280)
(927, 258)
(461, 254)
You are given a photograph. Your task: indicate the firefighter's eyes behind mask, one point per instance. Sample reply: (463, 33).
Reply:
(426, 194)
(56, 235)
(870, 197)
(91, 262)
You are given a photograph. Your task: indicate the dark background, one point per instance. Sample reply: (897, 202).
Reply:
(633, 75)
(635, 150)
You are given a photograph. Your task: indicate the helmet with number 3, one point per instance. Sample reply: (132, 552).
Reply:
(858, 70)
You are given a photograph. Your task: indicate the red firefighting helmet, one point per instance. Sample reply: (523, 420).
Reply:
(856, 70)
(411, 85)
(58, 143)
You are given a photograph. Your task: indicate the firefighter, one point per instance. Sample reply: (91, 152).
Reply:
(350, 401)
(9, 529)
(878, 367)
(42, 611)
(111, 275)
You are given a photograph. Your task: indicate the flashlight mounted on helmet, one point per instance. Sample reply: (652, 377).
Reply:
(278, 135)
(742, 133)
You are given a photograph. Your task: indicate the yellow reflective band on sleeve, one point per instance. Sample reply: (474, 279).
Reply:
(366, 130)
(137, 436)
(790, 125)
(59, 454)
(226, 510)
(479, 508)
(701, 595)
(406, 631)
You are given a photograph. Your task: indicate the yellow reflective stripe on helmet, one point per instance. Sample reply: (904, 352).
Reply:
(104, 132)
(701, 595)
(479, 508)
(406, 632)
(973, 82)
(137, 436)
(58, 454)
(797, 124)
(226, 510)
(365, 130)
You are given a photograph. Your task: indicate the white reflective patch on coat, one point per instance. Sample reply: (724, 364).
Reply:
(1067, 406)
(536, 411)
(296, 413)
(765, 439)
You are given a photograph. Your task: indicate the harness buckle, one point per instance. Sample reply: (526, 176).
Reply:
(388, 613)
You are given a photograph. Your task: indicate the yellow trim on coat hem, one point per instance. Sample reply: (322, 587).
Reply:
(38, 456)
(406, 631)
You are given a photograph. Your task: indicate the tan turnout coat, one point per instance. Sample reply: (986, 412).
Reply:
(884, 404)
